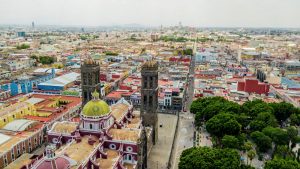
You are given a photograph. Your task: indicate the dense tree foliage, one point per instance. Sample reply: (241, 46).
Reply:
(295, 119)
(206, 108)
(282, 164)
(282, 110)
(109, 53)
(263, 142)
(279, 136)
(46, 60)
(23, 46)
(173, 39)
(253, 108)
(209, 158)
(230, 142)
(263, 120)
(223, 124)
(255, 125)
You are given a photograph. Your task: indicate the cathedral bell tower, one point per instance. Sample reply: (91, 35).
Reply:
(149, 100)
(90, 79)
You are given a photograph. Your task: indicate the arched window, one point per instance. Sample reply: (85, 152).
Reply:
(129, 157)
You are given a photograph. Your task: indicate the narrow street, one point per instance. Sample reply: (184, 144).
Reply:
(185, 137)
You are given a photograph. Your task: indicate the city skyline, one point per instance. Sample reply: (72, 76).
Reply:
(202, 13)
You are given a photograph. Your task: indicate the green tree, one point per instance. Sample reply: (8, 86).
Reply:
(109, 53)
(282, 151)
(282, 164)
(282, 110)
(263, 120)
(292, 134)
(279, 136)
(223, 124)
(244, 120)
(263, 142)
(188, 52)
(251, 154)
(230, 142)
(248, 146)
(257, 125)
(295, 119)
(23, 46)
(253, 108)
(46, 59)
(209, 158)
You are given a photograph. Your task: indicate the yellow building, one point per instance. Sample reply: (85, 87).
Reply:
(15, 111)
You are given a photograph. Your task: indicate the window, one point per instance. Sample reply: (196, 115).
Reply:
(4, 120)
(5, 161)
(129, 149)
(151, 82)
(91, 126)
(13, 116)
(55, 140)
(145, 100)
(40, 139)
(145, 82)
(112, 146)
(12, 156)
(150, 100)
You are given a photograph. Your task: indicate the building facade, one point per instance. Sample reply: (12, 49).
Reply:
(90, 79)
(149, 95)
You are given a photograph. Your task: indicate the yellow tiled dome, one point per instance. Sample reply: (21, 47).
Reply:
(95, 107)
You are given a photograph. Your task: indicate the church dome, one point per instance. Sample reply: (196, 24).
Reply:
(95, 107)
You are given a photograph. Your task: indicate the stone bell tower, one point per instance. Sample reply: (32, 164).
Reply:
(149, 99)
(90, 79)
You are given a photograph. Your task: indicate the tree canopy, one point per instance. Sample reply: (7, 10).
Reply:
(23, 46)
(222, 124)
(209, 158)
(282, 164)
(263, 142)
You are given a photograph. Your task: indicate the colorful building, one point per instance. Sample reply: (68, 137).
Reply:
(105, 137)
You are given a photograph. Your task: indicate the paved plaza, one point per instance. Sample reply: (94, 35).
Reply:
(160, 153)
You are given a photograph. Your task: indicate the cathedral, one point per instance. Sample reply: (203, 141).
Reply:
(105, 137)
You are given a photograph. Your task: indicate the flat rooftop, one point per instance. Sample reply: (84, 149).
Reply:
(125, 134)
(118, 110)
(14, 138)
(79, 151)
(64, 127)
(112, 158)
(135, 122)
(24, 159)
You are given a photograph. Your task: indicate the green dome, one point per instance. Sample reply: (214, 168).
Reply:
(95, 108)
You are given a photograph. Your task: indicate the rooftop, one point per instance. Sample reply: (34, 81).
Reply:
(118, 110)
(125, 134)
(112, 158)
(20, 161)
(64, 127)
(79, 151)
(19, 125)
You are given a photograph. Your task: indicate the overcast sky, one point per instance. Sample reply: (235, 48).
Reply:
(201, 13)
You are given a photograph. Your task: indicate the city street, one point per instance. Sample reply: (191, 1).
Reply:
(160, 153)
(185, 137)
